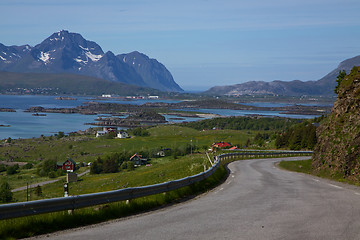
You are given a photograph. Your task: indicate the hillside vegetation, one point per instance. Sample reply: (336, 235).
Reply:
(70, 84)
(338, 148)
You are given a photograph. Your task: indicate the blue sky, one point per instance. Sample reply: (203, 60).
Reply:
(203, 43)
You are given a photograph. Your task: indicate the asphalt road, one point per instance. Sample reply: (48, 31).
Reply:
(258, 201)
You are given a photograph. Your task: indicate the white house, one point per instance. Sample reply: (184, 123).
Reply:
(123, 134)
(100, 133)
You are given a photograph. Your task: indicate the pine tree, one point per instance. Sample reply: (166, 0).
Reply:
(339, 79)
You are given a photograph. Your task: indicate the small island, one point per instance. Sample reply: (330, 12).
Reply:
(65, 98)
(39, 114)
(7, 110)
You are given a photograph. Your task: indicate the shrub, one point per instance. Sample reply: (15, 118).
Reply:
(11, 170)
(47, 168)
(38, 190)
(2, 168)
(5, 193)
(28, 166)
(141, 132)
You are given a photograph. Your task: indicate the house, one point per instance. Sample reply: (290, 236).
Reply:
(110, 129)
(123, 134)
(100, 133)
(163, 152)
(220, 145)
(138, 160)
(69, 165)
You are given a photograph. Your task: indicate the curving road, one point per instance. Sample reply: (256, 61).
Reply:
(258, 201)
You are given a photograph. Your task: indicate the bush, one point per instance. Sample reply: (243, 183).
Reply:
(141, 132)
(5, 193)
(38, 191)
(2, 168)
(28, 166)
(60, 135)
(96, 166)
(47, 168)
(110, 135)
(11, 170)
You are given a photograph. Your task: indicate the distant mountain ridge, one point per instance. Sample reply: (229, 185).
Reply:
(322, 87)
(66, 84)
(65, 52)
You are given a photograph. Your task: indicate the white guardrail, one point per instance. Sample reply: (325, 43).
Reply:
(22, 209)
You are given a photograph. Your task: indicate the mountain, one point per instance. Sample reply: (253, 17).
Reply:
(65, 52)
(152, 72)
(337, 150)
(322, 87)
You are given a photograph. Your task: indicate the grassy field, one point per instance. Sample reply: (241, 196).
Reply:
(87, 148)
(160, 170)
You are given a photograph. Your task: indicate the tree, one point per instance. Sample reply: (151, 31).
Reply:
(5, 193)
(141, 132)
(110, 166)
(339, 79)
(60, 135)
(47, 168)
(11, 170)
(96, 166)
(38, 190)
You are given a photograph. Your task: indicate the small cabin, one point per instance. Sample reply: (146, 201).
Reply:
(100, 133)
(138, 160)
(163, 152)
(123, 134)
(69, 165)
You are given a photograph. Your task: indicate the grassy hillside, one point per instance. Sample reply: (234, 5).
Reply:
(71, 84)
(88, 148)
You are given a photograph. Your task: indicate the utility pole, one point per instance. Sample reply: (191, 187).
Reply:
(191, 146)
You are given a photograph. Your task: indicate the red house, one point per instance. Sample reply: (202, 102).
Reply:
(220, 145)
(69, 165)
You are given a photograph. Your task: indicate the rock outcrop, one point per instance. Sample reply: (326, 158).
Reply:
(338, 147)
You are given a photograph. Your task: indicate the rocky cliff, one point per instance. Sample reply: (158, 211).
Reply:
(338, 147)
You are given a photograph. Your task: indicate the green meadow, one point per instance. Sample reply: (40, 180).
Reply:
(85, 149)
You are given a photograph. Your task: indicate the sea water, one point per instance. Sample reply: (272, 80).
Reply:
(25, 125)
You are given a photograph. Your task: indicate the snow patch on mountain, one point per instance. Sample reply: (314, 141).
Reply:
(90, 55)
(93, 57)
(44, 56)
(56, 39)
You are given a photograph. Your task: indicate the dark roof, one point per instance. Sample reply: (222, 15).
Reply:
(72, 161)
(136, 155)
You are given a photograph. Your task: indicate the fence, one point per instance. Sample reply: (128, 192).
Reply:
(73, 202)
